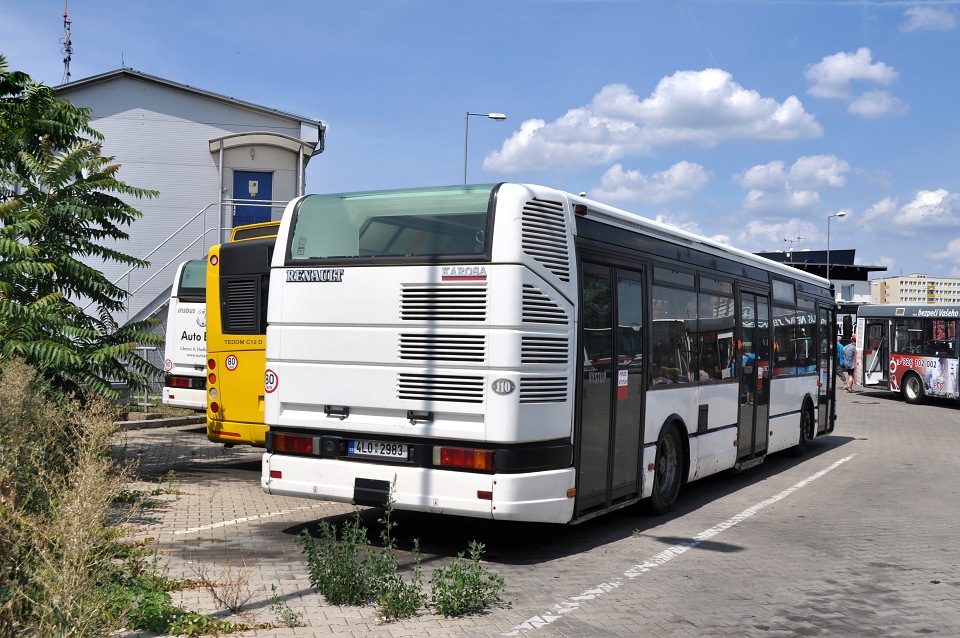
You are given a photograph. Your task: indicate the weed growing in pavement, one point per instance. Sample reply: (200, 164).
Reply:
(465, 587)
(395, 597)
(282, 612)
(338, 569)
(347, 571)
(231, 589)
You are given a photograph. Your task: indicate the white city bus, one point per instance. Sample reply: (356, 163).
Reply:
(185, 350)
(910, 349)
(484, 351)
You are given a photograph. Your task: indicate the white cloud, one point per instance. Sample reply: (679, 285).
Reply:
(886, 262)
(679, 182)
(952, 253)
(877, 104)
(774, 188)
(929, 209)
(818, 171)
(880, 212)
(760, 235)
(928, 19)
(832, 76)
(700, 107)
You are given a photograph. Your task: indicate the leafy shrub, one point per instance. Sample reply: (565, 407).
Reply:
(465, 587)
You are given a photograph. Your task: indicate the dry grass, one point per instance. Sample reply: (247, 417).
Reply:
(57, 489)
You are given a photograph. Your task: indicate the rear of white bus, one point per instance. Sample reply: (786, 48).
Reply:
(185, 349)
(420, 347)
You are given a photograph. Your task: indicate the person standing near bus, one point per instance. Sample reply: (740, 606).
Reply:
(849, 354)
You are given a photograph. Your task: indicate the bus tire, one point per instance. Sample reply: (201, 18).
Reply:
(911, 387)
(668, 468)
(806, 432)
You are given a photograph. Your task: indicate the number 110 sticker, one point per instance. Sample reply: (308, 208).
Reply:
(270, 381)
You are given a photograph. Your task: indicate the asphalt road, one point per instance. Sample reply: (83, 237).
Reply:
(860, 537)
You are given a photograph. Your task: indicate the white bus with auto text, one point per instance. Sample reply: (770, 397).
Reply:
(185, 350)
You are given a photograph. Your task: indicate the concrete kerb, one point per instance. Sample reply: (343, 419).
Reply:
(152, 420)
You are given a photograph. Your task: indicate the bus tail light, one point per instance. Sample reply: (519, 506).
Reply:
(179, 382)
(211, 363)
(463, 457)
(214, 407)
(484, 495)
(294, 443)
(277, 474)
(212, 378)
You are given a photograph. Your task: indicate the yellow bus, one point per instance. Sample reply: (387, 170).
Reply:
(238, 275)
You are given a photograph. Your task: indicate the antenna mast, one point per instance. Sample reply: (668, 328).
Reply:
(790, 242)
(67, 49)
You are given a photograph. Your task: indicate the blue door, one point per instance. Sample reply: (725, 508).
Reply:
(249, 189)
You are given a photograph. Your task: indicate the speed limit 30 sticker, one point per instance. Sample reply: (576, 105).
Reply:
(231, 363)
(270, 381)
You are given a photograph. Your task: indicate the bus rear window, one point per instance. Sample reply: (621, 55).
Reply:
(419, 222)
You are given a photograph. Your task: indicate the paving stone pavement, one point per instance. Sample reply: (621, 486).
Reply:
(857, 538)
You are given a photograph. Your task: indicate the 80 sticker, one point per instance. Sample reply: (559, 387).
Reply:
(231, 362)
(270, 381)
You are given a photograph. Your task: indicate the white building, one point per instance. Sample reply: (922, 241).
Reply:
(217, 162)
(915, 289)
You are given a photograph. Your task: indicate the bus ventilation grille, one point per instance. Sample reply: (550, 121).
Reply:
(440, 387)
(543, 350)
(545, 236)
(443, 303)
(543, 389)
(539, 308)
(428, 347)
(240, 305)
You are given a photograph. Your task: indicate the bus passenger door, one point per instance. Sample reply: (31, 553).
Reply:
(754, 375)
(876, 352)
(611, 395)
(828, 368)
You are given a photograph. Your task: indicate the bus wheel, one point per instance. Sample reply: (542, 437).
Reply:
(806, 432)
(912, 388)
(667, 469)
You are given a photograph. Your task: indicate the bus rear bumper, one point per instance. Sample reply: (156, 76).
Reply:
(185, 398)
(236, 433)
(535, 496)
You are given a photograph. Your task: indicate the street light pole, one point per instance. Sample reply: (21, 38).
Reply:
(841, 213)
(499, 117)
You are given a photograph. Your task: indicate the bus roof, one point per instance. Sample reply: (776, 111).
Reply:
(610, 214)
(253, 231)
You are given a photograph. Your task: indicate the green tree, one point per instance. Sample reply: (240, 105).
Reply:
(59, 201)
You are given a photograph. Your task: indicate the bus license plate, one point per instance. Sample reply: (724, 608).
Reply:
(378, 450)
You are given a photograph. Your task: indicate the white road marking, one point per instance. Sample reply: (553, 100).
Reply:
(574, 602)
(245, 519)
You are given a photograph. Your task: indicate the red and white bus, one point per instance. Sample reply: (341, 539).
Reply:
(912, 350)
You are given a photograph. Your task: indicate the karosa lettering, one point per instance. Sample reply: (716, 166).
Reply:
(463, 271)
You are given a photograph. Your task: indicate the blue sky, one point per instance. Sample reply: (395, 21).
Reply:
(746, 121)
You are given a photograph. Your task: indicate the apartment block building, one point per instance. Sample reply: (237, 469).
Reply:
(915, 288)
